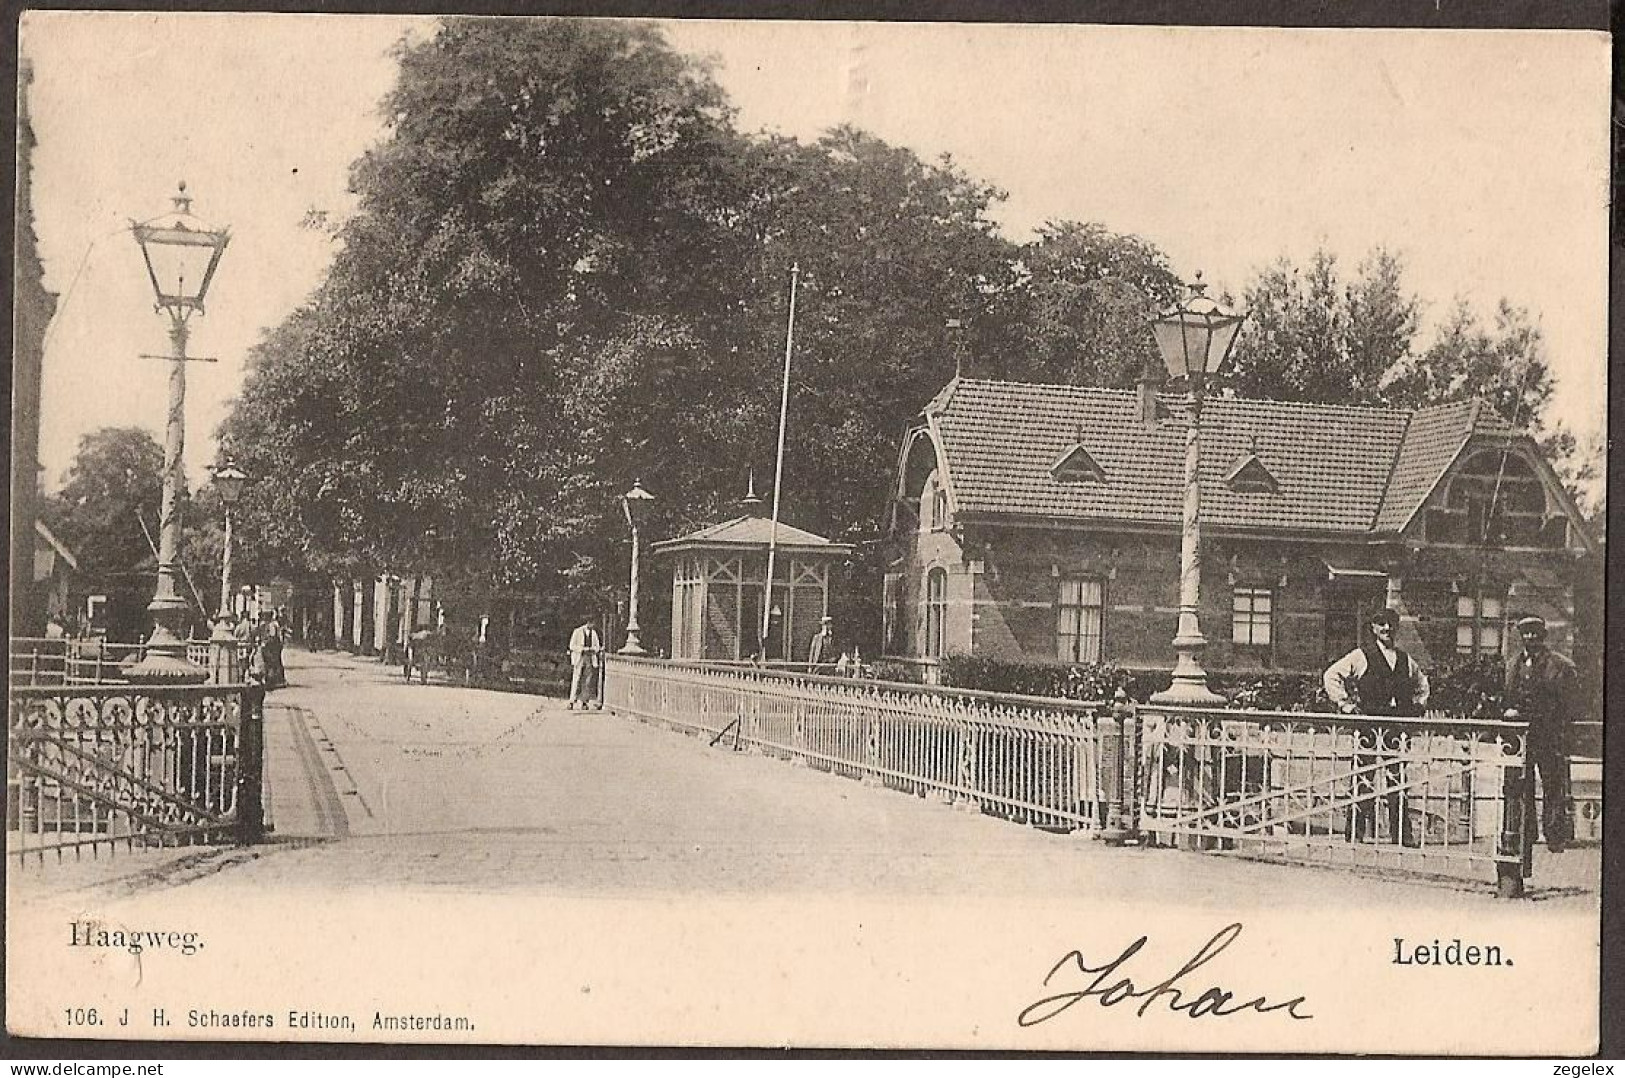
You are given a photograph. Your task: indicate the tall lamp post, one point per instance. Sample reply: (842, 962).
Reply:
(1195, 339)
(635, 503)
(229, 481)
(181, 255)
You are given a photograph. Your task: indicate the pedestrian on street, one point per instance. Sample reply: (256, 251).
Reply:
(271, 647)
(585, 648)
(1543, 689)
(1379, 679)
(821, 654)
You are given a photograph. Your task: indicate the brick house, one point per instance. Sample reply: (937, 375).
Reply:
(1041, 523)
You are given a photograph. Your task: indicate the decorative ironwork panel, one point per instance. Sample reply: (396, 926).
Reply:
(107, 765)
(1437, 796)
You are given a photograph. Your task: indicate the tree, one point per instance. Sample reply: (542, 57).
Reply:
(1084, 304)
(108, 513)
(890, 248)
(109, 505)
(545, 186)
(1507, 366)
(1310, 336)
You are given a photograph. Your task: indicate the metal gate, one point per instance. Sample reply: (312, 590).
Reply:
(1437, 796)
(96, 767)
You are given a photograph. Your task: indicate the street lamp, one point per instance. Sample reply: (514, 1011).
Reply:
(1195, 339)
(229, 481)
(635, 503)
(181, 254)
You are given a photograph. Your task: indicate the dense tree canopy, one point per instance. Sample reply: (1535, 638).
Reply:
(108, 514)
(109, 503)
(1082, 312)
(568, 270)
(1311, 336)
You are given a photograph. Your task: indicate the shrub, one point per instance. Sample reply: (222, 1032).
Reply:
(1468, 686)
(1461, 687)
(888, 670)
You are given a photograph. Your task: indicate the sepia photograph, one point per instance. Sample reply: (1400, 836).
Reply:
(815, 534)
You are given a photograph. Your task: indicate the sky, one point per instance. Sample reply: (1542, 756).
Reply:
(1480, 156)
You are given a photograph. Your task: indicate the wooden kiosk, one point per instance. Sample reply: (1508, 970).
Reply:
(717, 589)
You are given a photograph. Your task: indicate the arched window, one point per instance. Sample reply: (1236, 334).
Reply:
(936, 611)
(933, 504)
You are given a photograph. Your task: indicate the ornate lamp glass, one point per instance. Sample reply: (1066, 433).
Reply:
(230, 481)
(181, 253)
(1195, 338)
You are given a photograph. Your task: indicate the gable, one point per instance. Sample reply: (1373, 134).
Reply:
(1077, 466)
(1251, 476)
(1500, 493)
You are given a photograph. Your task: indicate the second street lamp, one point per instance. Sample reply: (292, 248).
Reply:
(635, 503)
(229, 481)
(1195, 339)
(181, 255)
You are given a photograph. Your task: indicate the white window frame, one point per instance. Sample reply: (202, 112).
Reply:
(1083, 598)
(1481, 620)
(936, 613)
(1250, 625)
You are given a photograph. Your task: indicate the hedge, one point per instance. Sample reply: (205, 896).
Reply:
(1461, 687)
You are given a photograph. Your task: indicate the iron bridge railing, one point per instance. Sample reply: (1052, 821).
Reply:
(108, 766)
(1434, 796)
(35, 661)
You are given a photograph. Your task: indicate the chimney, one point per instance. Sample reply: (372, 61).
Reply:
(955, 328)
(1152, 411)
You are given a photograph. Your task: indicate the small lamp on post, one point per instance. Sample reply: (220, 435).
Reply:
(1195, 338)
(229, 481)
(635, 503)
(181, 255)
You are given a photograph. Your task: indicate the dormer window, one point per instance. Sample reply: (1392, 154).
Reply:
(1077, 466)
(1250, 475)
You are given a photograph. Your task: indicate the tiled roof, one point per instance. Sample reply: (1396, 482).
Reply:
(1432, 440)
(752, 531)
(1339, 469)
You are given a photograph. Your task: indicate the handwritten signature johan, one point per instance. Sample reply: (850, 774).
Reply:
(1174, 992)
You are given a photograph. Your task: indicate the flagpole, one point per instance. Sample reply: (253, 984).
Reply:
(778, 469)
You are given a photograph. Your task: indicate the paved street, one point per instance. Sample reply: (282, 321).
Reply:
(375, 782)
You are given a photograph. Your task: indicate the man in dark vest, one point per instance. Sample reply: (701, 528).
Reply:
(1543, 689)
(1378, 679)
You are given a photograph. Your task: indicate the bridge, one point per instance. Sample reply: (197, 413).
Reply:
(369, 778)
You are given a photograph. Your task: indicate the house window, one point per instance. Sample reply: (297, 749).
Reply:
(1478, 623)
(933, 505)
(1078, 620)
(936, 610)
(1250, 615)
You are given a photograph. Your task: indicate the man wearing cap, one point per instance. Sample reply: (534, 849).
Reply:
(1378, 679)
(821, 655)
(1543, 689)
